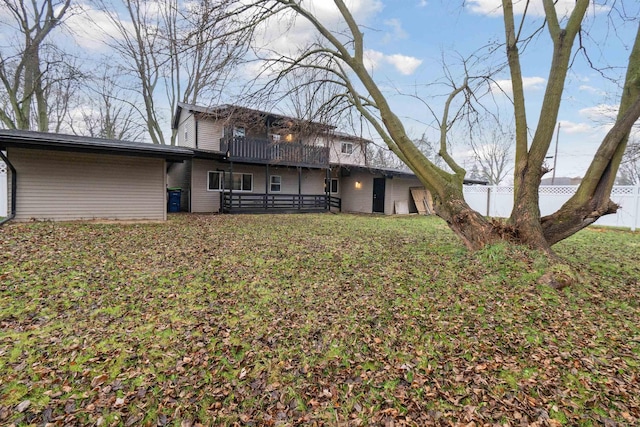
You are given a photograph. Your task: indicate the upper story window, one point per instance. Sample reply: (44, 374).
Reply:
(238, 132)
(275, 137)
(347, 148)
(186, 135)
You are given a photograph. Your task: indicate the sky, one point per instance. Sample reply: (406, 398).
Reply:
(409, 43)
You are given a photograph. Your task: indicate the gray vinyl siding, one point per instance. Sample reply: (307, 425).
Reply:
(357, 199)
(209, 134)
(71, 186)
(357, 157)
(203, 200)
(397, 190)
(186, 122)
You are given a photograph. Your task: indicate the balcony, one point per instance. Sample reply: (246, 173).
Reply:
(257, 150)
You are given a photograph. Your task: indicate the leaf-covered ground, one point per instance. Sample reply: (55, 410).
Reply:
(311, 320)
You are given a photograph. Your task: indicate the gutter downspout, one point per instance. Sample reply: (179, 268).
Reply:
(14, 190)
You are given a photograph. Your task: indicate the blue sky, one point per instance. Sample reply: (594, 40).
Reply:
(407, 40)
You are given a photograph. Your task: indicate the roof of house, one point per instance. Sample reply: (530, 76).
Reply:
(391, 172)
(63, 142)
(348, 137)
(225, 110)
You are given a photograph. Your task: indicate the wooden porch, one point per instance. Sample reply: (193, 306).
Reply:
(277, 203)
(259, 150)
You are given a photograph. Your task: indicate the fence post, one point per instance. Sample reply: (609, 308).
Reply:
(636, 212)
(489, 200)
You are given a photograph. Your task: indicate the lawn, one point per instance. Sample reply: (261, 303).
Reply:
(311, 320)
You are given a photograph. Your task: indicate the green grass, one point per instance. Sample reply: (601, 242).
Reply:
(311, 319)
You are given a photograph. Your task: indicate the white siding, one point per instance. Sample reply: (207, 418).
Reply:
(69, 186)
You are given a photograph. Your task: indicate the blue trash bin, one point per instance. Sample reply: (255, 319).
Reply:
(173, 199)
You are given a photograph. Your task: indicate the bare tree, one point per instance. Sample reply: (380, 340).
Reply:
(629, 173)
(171, 47)
(492, 150)
(26, 76)
(106, 113)
(342, 52)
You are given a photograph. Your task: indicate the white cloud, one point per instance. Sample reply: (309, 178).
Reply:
(422, 3)
(92, 28)
(602, 113)
(535, 8)
(396, 32)
(372, 59)
(591, 89)
(406, 65)
(286, 35)
(529, 83)
(576, 128)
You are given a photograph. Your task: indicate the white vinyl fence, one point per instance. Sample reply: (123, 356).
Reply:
(3, 189)
(498, 202)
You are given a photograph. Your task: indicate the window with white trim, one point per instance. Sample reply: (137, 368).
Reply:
(347, 148)
(333, 185)
(275, 184)
(214, 181)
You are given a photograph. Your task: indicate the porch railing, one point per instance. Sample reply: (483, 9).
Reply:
(251, 202)
(283, 153)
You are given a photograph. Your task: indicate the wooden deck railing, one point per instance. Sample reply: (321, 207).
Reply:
(283, 153)
(253, 203)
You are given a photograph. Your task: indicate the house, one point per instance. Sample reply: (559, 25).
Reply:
(246, 160)
(65, 177)
(228, 159)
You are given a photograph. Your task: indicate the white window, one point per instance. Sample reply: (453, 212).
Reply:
(347, 148)
(214, 181)
(275, 137)
(276, 183)
(333, 185)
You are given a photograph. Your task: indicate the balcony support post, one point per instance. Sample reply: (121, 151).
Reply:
(266, 186)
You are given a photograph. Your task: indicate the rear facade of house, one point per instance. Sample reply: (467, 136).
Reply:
(252, 161)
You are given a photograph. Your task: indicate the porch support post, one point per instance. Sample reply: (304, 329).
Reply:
(231, 186)
(327, 189)
(299, 185)
(266, 187)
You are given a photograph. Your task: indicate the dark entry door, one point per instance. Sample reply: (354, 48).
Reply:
(378, 194)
